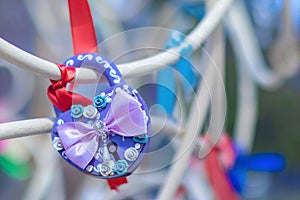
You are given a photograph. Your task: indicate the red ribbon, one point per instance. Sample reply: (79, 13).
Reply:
(84, 41)
(83, 32)
(217, 176)
(116, 182)
(58, 94)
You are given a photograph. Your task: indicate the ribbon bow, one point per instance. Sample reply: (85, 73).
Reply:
(124, 117)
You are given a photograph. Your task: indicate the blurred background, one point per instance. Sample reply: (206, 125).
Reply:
(42, 28)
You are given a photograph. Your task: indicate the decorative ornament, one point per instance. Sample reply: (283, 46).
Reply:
(101, 138)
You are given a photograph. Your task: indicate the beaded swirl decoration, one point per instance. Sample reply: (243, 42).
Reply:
(109, 137)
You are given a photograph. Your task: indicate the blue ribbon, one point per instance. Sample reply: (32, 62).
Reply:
(166, 84)
(258, 162)
(196, 9)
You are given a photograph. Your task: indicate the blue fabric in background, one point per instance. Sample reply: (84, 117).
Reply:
(166, 78)
(196, 9)
(266, 15)
(166, 90)
(295, 12)
(258, 162)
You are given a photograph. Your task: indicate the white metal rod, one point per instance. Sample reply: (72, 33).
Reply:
(49, 70)
(218, 98)
(196, 119)
(244, 129)
(44, 125)
(25, 128)
(212, 78)
(29, 62)
(249, 48)
(194, 124)
(246, 116)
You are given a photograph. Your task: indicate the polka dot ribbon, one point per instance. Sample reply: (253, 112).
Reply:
(84, 41)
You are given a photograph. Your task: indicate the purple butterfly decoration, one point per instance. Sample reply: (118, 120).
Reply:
(81, 141)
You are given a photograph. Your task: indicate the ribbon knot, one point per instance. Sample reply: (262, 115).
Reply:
(100, 127)
(58, 94)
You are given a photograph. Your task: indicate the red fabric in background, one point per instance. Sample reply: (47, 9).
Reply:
(217, 177)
